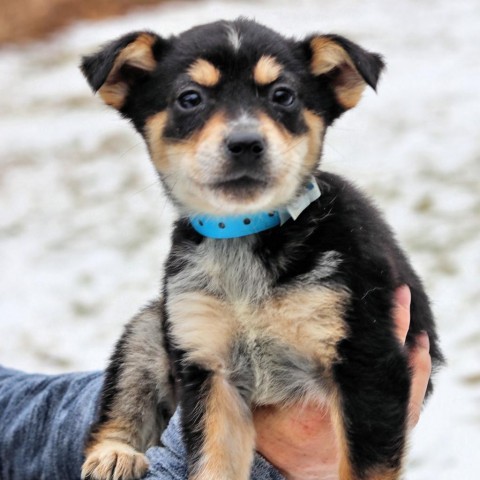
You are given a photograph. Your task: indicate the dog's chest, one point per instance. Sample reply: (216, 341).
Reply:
(226, 269)
(225, 312)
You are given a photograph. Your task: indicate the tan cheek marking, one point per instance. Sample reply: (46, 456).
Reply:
(154, 127)
(183, 151)
(202, 326)
(302, 151)
(266, 71)
(310, 320)
(316, 130)
(213, 130)
(276, 133)
(289, 157)
(137, 54)
(327, 55)
(204, 73)
(190, 162)
(229, 436)
(206, 142)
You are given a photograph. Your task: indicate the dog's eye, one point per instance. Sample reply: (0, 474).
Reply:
(283, 96)
(189, 99)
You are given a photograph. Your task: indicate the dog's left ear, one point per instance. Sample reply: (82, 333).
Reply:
(115, 69)
(347, 66)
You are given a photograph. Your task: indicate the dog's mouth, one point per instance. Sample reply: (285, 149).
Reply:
(244, 185)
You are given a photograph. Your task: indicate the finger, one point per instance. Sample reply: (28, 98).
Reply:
(401, 312)
(421, 364)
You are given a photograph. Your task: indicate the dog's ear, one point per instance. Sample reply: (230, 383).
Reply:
(347, 66)
(119, 65)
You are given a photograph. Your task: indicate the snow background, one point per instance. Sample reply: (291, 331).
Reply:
(84, 227)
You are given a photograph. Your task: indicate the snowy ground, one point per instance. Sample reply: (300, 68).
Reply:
(84, 228)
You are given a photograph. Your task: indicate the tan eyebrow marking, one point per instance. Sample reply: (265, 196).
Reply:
(267, 70)
(204, 73)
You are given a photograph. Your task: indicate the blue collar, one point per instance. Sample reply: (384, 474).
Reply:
(234, 226)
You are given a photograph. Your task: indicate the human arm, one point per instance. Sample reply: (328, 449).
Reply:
(45, 419)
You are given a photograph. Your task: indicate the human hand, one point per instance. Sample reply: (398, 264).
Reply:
(300, 441)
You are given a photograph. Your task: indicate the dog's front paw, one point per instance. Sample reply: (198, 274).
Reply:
(113, 460)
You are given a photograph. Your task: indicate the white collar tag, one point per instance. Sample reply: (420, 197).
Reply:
(300, 203)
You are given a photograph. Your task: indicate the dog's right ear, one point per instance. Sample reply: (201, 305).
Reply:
(119, 65)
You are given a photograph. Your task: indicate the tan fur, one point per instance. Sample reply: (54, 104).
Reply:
(316, 127)
(154, 127)
(165, 153)
(203, 326)
(386, 475)
(182, 154)
(191, 165)
(137, 54)
(345, 468)
(111, 456)
(198, 161)
(328, 55)
(292, 156)
(116, 430)
(309, 320)
(228, 434)
(204, 73)
(213, 129)
(176, 160)
(267, 70)
(114, 94)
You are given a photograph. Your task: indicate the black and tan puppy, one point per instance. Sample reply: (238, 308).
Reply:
(279, 285)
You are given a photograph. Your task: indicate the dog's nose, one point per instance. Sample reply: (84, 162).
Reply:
(245, 147)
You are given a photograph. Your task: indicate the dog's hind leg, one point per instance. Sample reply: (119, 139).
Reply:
(136, 403)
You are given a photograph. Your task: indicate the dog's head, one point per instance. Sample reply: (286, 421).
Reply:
(233, 113)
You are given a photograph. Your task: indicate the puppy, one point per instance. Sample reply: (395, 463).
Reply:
(280, 281)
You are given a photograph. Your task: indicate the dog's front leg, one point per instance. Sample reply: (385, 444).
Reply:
(136, 402)
(216, 416)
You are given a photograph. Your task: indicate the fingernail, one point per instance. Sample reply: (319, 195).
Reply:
(423, 341)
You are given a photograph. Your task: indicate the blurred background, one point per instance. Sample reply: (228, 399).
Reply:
(84, 227)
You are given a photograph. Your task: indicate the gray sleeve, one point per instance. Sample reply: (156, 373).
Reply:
(44, 420)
